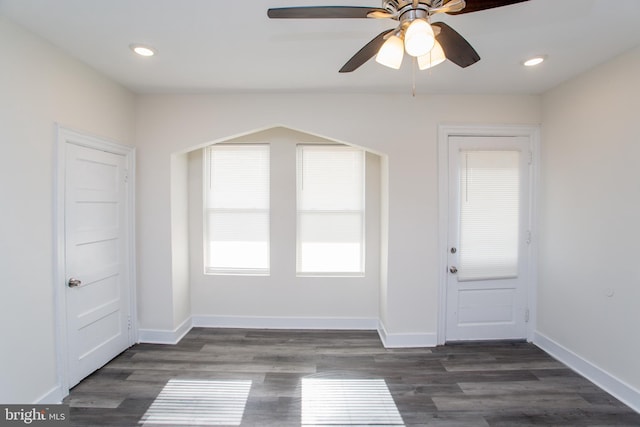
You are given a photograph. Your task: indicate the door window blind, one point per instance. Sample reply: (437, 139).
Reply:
(489, 214)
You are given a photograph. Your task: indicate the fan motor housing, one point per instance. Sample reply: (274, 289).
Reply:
(406, 11)
(396, 5)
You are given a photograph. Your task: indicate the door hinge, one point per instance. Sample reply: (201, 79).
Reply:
(528, 240)
(129, 322)
(526, 315)
(530, 157)
(126, 176)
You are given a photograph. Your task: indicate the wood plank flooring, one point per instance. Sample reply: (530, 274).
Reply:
(291, 378)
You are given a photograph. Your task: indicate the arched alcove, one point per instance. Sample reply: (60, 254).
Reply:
(281, 299)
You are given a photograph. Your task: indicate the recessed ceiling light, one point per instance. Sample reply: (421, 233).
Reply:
(534, 61)
(142, 50)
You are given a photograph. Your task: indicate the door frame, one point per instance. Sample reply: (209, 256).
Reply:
(444, 132)
(69, 136)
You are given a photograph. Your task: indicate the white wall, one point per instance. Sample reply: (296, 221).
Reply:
(281, 298)
(589, 292)
(39, 86)
(180, 276)
(399, 126)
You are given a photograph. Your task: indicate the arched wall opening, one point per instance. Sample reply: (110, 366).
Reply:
(281, 299)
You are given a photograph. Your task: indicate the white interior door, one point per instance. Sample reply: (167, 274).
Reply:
(488, 237)
(96, 258)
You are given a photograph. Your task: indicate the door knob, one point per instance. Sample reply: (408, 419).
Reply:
(74, 283)
(453, 269)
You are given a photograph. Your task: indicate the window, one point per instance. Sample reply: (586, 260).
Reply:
(330, 199)
(489, 214)
(237, 209)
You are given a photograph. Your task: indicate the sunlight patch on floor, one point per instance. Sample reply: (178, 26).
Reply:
(348, 402)
(199, 402)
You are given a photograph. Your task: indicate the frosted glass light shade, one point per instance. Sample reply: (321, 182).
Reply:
(419, 38)
(391, 53)
(433, 58)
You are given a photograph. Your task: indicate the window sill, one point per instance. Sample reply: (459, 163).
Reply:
(331, 275)
(236, 273)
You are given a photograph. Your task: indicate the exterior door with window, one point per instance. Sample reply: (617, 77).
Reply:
(488, 237)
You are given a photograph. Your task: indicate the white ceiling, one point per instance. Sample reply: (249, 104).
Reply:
(216, 46)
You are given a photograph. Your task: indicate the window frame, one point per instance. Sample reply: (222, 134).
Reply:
(231, 271)
(361, 213)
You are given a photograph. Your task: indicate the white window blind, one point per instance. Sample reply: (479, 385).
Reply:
(489, 214)
(237, 209)
(330, 199)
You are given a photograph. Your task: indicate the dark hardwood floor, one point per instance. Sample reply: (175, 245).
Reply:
(292, 378)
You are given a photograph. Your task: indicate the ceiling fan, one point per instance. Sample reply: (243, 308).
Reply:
(430, 43)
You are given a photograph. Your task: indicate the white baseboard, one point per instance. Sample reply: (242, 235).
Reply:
(403, 340)
(266, 322)
(609, 383)
(158, 336)
(406, 340)
(52, 397)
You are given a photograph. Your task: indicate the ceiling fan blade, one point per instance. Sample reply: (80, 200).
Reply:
(321, 12)
(449, 7)
(366, 53)
(455, 47)
(477, 5)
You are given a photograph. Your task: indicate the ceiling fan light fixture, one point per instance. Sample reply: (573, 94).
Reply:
(419, 38)
(434, 57)
(391, 53)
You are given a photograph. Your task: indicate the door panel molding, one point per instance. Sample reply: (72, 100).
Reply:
(65, 136)
(450, 130)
